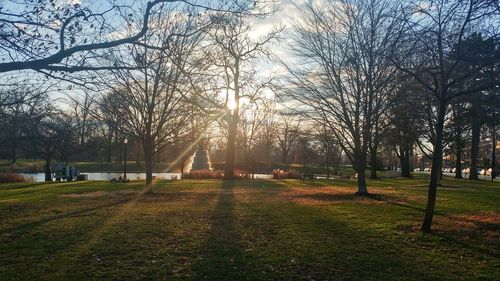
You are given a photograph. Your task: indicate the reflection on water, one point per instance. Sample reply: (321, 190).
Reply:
(39, 177)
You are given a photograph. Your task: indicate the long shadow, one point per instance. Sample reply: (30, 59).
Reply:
(221, 255)
(29, 226)
(350, 197)
(392, 201)
(461, 243)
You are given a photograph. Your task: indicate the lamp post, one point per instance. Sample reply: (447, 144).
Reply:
(125, 141)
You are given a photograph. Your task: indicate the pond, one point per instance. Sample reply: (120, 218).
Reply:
(40, 177)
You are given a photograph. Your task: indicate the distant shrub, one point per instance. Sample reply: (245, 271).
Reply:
(282, 174)
(203, 174)
(11, 177)
(242, 174)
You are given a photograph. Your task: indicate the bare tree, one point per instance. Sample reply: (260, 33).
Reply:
(252, 119)
(287, 134)
(268, 134)
(153, 100)
(20, 105)
(233, 53)
(329, 149)
(347, 75)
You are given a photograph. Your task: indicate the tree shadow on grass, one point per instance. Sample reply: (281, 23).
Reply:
(395, 201)
(24, 228)
(351, 197)
(221, 255)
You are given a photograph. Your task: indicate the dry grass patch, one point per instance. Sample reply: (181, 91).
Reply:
(483, 226)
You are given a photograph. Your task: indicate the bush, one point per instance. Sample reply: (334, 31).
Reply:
(11, 177)
(282, 174)
(204, 174)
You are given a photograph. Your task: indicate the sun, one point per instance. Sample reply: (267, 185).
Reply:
(231, 101)
(231, 104)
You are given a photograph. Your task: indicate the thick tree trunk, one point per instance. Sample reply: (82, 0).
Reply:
(458, 162)
(474, 149)
(148, 161)
(437, 158)
(360, 169)
(48, 170)
(233, 126)
(405, 169)
(404, 162)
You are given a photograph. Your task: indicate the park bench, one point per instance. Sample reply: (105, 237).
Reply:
(308, 176)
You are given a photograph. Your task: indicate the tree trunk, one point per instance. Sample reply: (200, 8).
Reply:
(233, 126)
(360, 169)
(404, 161)
(405, 165)
(48, 171)
(474, 149)
(437, 157)
(458, 162)
(148, 159)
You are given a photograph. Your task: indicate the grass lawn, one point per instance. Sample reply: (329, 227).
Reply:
(248, 230)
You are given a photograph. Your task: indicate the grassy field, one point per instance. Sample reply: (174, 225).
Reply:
(248, 230)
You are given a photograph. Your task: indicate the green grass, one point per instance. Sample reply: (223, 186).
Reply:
(248, 230)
